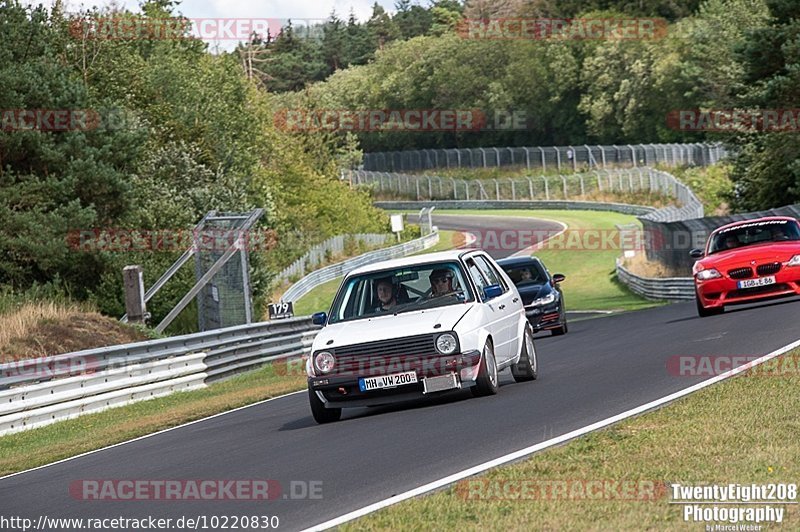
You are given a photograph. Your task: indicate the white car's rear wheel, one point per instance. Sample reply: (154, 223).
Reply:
(527, 369)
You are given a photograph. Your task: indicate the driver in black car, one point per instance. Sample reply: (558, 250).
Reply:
(441, 282)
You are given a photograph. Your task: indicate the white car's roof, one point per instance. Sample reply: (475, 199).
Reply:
(439, 256)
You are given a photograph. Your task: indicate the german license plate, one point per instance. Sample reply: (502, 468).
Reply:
(753, 283)
(367, 384)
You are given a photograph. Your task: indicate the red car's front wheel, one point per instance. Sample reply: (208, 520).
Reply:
(704, 312)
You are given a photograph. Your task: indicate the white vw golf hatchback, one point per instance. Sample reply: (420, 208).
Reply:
(418, 326)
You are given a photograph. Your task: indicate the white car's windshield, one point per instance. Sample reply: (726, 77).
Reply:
(398, 290)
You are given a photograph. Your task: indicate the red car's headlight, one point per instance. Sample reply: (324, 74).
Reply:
(705, 275)
(794, 261)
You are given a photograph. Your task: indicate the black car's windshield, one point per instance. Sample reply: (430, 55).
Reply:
(749, 234)
(399, 290)
(531, 273)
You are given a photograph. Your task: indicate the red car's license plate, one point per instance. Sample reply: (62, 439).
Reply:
(753, 283)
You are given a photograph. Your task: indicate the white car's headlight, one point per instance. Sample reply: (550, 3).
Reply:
(324, 362)
(795, 261)
(546, 300)
(705, 275)
(446, 344)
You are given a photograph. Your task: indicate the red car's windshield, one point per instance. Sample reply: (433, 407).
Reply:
(747, 234)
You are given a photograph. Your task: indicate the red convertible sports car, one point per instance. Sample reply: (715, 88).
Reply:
(747, 261)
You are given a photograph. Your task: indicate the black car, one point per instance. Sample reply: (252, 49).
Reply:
(541, 294)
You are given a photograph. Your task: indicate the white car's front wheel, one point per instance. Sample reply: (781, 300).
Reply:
(486, 383)
(320, 413)
(527, 369)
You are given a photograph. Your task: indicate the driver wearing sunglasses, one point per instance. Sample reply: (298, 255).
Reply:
(441, 282)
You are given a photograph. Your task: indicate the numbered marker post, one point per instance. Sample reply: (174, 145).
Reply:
(281, 310)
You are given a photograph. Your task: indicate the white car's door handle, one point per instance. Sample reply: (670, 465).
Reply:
(501, 307)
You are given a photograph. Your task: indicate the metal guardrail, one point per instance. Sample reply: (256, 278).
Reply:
(558, 157)
(40, 404)
(328, 273)
(584, 186)
(45, 390)
(658, 289)
(336, 244)
(623, 208)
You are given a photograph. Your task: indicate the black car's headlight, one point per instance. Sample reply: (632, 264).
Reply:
(324, 362)
(546, 300)
(446, 343)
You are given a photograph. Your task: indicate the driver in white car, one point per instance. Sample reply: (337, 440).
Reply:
(441, 282)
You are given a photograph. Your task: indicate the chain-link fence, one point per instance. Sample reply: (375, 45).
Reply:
(226, 300)
(561, 187)
(553, 157)
(324, 251)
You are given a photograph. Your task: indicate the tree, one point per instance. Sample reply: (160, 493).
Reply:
(292, 62)
(333, 42)
(359, 47)
(412, 20)
(381, 26)
(445, 15)
(767, 166)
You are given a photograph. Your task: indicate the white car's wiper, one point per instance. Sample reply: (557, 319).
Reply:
(423, 302)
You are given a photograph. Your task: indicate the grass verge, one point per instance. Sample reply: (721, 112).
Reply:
(710, 437)
(44, 445)
(44, 328)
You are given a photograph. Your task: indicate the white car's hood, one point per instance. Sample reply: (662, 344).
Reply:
(390, 326)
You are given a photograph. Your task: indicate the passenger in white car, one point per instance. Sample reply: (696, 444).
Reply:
(387, 294)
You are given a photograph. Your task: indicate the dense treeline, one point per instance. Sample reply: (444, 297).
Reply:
(718, 54)
(182, 132)
(305, 51)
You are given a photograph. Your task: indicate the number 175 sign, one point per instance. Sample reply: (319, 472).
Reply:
(281, 310)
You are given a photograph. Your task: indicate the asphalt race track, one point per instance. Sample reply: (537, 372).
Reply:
(603, 367)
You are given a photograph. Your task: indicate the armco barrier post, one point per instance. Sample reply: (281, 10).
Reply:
(133, 280)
